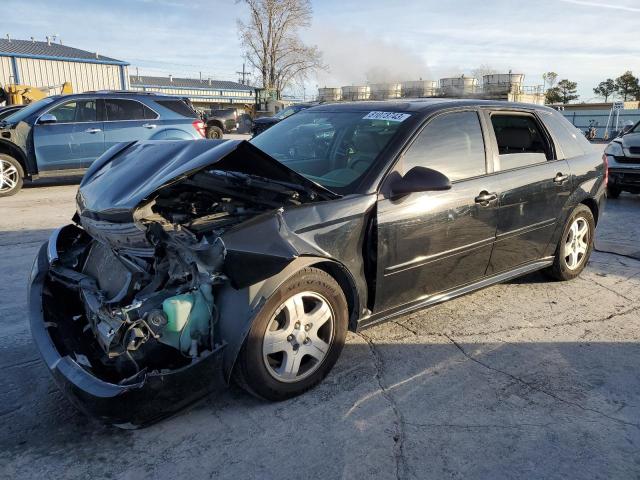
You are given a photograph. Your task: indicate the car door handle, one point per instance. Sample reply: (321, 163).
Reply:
(485, 197)
(150, 126)
(560, 178)
(93, 130)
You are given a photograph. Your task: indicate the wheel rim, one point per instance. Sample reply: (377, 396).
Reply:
(298, 337)
(576, 243)
(8, 176)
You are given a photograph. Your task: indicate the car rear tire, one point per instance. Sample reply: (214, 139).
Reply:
(214, 133)
(575, 246)
(613, 192)
(295, 339)
(11, 175)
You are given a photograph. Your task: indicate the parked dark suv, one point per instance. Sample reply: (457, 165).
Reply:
(63, 135)
(193, 263)
(623, 158)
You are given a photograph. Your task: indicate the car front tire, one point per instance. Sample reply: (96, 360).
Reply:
(296, 337)
(214, 133)
(575, 246)
(11, 175)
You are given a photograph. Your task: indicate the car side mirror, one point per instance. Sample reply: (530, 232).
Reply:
(47, 118)
(420, 179)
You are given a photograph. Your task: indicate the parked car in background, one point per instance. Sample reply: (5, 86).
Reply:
(63, 135)
(6, 111)
(194, 263)
(221, 121)
(263, 123)
(623, 159)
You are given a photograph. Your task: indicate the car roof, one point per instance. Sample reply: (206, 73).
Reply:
(117, 93)
(426, 105)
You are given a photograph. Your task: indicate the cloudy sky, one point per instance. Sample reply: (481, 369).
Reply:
(583, 40)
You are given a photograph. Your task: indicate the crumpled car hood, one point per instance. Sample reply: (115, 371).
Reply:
(128, 174)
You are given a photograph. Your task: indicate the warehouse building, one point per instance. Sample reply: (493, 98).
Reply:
(205, 94)
(50, 64)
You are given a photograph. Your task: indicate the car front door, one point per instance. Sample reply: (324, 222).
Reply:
(533, 188)
(68, 136)
(128, 120)
(431, 242)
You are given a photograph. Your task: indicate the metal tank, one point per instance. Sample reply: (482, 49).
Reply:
(329, 94)
(385, 91)
(356, 92)
(419, 88)
(458, 86)
(502, 82)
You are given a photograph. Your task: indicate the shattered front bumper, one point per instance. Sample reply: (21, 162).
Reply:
(153, 397)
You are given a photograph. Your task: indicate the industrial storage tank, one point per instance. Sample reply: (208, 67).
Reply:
(385, 91)
(419, 88)
(356, 92)
(458, 86)
(502, 82)
(329, 94)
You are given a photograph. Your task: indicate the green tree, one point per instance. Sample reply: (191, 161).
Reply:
(627, 86)
(606, 89)
(553, 96)
(550, 79)
(564, 92)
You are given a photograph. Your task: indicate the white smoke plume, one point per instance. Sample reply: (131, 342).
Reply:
(358, 58)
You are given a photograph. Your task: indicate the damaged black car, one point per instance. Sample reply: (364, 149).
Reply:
(192, 264)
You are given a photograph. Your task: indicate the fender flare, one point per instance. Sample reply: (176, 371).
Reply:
(16, 152)
(237, 309)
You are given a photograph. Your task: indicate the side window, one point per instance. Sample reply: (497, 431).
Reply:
(119, 109)
(452, 144)
(76, 111)
(520, 140)
(569, 137)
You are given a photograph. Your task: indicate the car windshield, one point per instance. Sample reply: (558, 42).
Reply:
(636, 129)
(25, 112)
(334, 149)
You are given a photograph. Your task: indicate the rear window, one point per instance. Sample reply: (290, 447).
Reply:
(520, 139)
(178, 106)
(572, 141)
(120, 109)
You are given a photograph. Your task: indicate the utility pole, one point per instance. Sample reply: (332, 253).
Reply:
(244, 74)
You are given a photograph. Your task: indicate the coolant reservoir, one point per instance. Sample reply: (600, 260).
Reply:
(188, 318)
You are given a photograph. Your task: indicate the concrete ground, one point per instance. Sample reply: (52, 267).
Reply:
(529, 379)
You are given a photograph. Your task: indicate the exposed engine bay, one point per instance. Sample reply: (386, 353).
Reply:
(147, 287)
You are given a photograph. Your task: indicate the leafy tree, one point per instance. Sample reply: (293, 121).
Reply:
(627, 86)
(565, 91)
(606, 89)
(272, 44)
(549, 78)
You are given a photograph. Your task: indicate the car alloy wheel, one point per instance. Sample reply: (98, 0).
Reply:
(576, 243)
(9, 176)
(298, 337)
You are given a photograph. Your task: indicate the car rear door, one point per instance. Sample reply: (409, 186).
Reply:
(75, 138)
(431, 242)
(128, 120)
(533, 186)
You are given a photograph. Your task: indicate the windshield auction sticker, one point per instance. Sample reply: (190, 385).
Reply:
(390, 116)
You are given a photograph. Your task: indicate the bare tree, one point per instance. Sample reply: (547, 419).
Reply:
(482, 70)
(271, 42)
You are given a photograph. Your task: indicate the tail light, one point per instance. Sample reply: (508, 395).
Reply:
(200, 128)
(606, 169)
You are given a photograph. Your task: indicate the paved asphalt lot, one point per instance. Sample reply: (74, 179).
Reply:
(529, 379)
